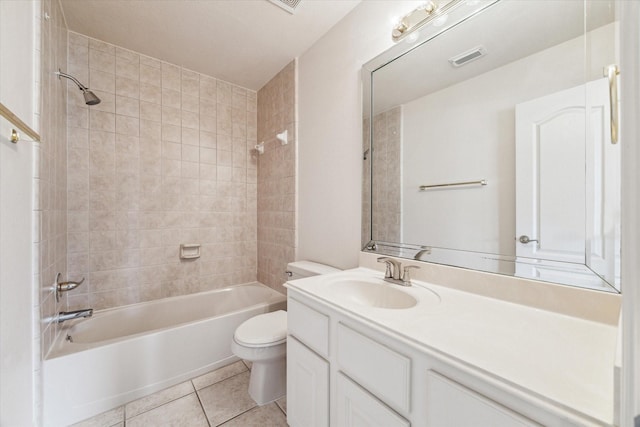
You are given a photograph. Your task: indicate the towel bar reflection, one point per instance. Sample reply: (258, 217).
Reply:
(453, 184)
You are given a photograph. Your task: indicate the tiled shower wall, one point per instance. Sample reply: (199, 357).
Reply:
(386, 199)
(277, 178)
(50, 165)
(164, 160)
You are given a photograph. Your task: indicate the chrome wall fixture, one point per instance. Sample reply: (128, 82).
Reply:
(90, 98)
(67, 286)
(19, 124)
(427, 12)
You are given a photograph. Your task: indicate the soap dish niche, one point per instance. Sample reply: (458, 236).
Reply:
(190, 251)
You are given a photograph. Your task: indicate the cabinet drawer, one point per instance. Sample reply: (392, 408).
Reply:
(452, 404)
(382, 371)
(309, 326)
(356, 407)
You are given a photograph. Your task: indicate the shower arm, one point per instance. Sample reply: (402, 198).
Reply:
(82, 87)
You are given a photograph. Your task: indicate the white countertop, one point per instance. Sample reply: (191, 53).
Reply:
(567, 360)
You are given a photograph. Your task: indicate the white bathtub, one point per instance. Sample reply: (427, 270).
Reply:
(128, 352)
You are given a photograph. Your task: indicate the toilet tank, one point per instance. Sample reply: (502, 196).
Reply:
(301, 269)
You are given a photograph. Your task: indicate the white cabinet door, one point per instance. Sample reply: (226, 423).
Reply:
(307, 386)
(453, 405)
(357, 408)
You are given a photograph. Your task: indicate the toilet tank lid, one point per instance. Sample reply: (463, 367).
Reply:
(263, 329)
(310, 268)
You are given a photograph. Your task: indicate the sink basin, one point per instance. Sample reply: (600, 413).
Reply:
(373, 293)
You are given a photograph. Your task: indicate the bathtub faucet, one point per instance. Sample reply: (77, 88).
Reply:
(77, 314)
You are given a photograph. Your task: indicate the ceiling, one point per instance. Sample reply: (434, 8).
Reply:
(245, 42)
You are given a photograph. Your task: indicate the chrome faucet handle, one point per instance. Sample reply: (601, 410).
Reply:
(392, 266)
(406, 274)
(65, 286)
(69, 285)
(388, 274)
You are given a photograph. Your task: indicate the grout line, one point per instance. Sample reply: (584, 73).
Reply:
(280, 407)
(236, 416)
(217, 382)
(156, 407)
(206, 417)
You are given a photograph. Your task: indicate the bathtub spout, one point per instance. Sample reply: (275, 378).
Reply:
(69, 315)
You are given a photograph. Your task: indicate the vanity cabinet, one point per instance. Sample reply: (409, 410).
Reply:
(307, 386)
(452, 404)
(382, 371)
(343, 370)
(368, 380)
(356, 407)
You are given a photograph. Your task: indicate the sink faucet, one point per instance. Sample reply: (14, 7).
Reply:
(77, 314)
(392, 274)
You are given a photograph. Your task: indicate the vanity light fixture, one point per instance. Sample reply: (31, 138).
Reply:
(431, 10)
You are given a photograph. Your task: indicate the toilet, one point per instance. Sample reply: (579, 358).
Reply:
(262, 340)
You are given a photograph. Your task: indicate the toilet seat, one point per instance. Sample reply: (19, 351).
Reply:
(263, 330)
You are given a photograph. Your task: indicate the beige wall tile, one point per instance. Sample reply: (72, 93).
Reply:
(275, 197)
(170, 77)
(150, 130)
(128, 87)
(79, 39)
(171, 98)
(150, 75)
(128, 66)
(127, 106)
(208, 92)
(99, 60)
(164, 154)
(150, 93)
(191, 103)
(190, 136)
(151, 62)
(102, 121)
(101, 80)
(127, 125)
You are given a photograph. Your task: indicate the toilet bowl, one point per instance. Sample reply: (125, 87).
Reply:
(262, 340)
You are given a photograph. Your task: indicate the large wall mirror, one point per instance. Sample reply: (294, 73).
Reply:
(490, 142)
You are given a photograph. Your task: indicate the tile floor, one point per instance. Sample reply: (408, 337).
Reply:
(218, 398)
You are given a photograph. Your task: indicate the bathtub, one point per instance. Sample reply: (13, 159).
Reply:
(125, 353)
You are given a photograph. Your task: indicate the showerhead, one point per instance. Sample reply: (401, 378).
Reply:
(90, 98)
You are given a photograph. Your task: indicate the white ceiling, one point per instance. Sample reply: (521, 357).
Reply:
(245, 42)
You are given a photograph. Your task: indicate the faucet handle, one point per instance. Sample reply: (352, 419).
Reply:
(388, 274)
(406, 274)
(65, 286)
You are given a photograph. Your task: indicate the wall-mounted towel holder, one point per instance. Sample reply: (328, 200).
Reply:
(480, 182)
